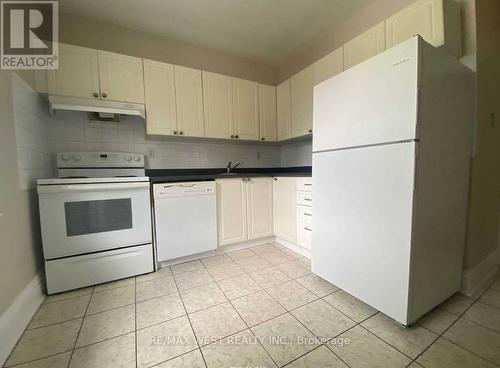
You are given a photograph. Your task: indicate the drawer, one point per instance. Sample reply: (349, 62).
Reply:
(304, 199)
(304, 214)
(304, 235)
(304, 184)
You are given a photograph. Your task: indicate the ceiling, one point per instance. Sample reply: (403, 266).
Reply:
(269, 31)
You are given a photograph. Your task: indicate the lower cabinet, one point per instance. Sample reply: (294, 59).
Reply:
(285, 208)
(244, 209)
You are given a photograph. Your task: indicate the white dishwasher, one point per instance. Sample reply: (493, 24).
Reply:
(185, 219)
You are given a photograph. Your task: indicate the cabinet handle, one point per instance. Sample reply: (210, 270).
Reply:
(104, 95)
(236, 137)
(232, 135)
(262, 139)
(175, 131)
(307, 214)
(307, 184)
(308, 199)
(95, 94)
(310, 130)
(275, 179)
(306, 228)
(181, 132)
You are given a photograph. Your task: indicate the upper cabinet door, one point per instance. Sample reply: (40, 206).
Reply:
(159, 84)
(301, 89)
(78, 74)
(329, 65)
(231, 211)
(437, 21)
(217, 102)
(260, 207)
(189, 100)
(364, 46)
(121, 77)
(267, 113)
(283, 110)
(245, 109)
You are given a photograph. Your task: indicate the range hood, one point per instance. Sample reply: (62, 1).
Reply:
(98, 106)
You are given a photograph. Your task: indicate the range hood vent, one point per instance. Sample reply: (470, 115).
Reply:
(97, 106)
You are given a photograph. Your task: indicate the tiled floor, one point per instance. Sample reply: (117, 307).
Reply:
(258, 307)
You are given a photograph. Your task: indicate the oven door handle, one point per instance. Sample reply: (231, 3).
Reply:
(101, 187)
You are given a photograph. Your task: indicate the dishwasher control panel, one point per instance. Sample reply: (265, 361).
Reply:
(185, 189)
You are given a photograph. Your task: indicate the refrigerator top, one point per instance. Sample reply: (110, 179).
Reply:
(374, 102)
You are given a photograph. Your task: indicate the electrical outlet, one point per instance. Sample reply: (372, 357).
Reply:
(151, 152)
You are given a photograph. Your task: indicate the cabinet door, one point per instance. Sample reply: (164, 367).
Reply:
(285, 208)
(245, 109)
(78, 73)
(301, 89)
(260, 207)
(161, 116)
(364, 46)
(189, 101)
(121, 77)
(267, 113)
(329, 65)
(217, 103)
(283, 110)
(231, 211)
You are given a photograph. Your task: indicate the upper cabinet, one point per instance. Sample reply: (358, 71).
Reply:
(267, 113)
(245, 109)
(159, 84)
(189, 101)
(437, 21)
(328, 66)
(301, 98)
(283, 110)
(218, 105)
(78, 73)
(97, 74)
(364, 46)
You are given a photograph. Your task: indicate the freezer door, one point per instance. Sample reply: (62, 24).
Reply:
(362, 223)
(373, 102)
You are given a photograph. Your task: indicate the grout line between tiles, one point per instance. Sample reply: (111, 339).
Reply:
(80, 329)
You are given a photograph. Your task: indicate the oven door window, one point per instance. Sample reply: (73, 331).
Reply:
(91, 217)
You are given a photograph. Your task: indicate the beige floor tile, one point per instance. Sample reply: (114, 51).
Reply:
(443, 354)
(44, 342)
(238, 286)
(491, 297)
(291, 294)
(215, 260)
(410, 341)
(158, 310)
(105, 325)
(437, 320)
(294, 269)
(269, 277)
(350, 306)
(115, 284)
(257, 307)
(57, 312)
(475, 338)
(305, 260)
(225, 271)
(253, 263)
(266, 248)
(56, 361)
(285, 339)
(239, 254)
(321, 357)
(164, 341)
(162, 272)
(484, 315)
(239, 350)
(317, 285)
(111, 299)
(322, 319)
(496, 284)
(186, 267)
(202, 297)
(457, 304)
(155, 288)
(215, 323)
(291, 253)
(118, 352)
(193, 359)
(192, 279)
(415, 365)
(276, 257)
(68, 295)
(365, 350)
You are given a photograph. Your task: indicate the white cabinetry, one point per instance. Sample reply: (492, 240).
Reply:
(329, 65)
(218, 105)
(259, 207)
(189, 101)
(267, 113)
(304, 212)
(245, 109)
(364, 46)
(285, 208)
(283, 107)
(301, 97)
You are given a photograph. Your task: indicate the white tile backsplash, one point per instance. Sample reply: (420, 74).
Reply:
(297, 153)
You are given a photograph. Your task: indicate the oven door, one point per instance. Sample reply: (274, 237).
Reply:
(84, 218)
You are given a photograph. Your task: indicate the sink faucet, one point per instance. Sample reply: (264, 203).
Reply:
(229, 168)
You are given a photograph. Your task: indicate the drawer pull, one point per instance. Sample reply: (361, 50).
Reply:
(308, 229)
(307, 214)
(308, 184)
(308, 199)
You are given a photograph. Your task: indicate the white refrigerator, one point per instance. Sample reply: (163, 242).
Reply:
(391, 152)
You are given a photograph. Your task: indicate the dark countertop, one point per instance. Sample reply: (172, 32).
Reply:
(178, 175)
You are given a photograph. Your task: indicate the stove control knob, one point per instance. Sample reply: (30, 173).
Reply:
(65, 157)
(137, 158)
(77, 157)
(128, 158)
